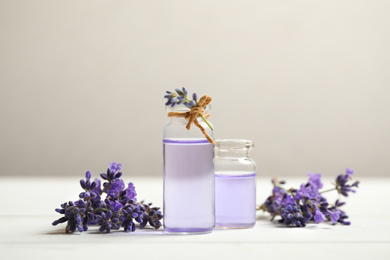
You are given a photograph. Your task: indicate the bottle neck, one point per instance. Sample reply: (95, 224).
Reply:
(232, 153)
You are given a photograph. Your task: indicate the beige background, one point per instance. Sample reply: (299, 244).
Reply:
(81, 82)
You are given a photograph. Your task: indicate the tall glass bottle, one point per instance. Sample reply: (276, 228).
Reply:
(188, 177)
(235, 184)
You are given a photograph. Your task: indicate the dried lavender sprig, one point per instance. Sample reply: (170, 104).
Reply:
(300, 206)
(181, 97)
(119, 208)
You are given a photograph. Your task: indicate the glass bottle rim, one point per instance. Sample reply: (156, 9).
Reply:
(234, 144)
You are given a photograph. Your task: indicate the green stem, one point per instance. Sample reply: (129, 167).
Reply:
(204, 119)
(327, 190)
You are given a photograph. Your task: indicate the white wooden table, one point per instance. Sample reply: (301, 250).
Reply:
(27, 211)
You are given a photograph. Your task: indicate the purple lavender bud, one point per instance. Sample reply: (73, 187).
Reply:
(80, 228)
(178, 91)
(195, 97)
(97, 190)
(78, 219)
(168, 96)
(168, 92)
(87, 185)
(185, 91)
(344, 190)
(82, 184)
(319, 217)
(130, 226)
(105, 185)
(118, 175)
(115, 226)
(110, 174)
(112, 166)
(88, 175)
(72, 227)
(102, 228)
(82, 204)
(59, 221)
(192, 103)
(93, 185)
(104, 176)
(334, 216)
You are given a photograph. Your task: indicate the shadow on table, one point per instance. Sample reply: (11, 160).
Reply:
(146, 232)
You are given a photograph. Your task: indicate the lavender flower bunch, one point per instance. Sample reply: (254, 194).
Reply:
(179, 97)
(119, 208)
(297, 207)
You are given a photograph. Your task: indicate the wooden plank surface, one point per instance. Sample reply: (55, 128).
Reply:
(27, 211)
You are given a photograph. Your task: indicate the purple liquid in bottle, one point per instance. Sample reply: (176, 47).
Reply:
(188, 186)
(235, 200)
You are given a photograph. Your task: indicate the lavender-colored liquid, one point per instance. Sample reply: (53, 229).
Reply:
(188, 186)
(235, 200)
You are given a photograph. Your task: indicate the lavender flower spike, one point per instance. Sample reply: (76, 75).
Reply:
(307, 204)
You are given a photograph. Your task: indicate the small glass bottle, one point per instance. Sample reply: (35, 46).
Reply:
(188, 177)
(235, 184)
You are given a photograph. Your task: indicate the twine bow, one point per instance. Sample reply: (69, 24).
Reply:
(192, 115)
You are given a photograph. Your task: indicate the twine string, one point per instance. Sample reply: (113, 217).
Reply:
(192, 115)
